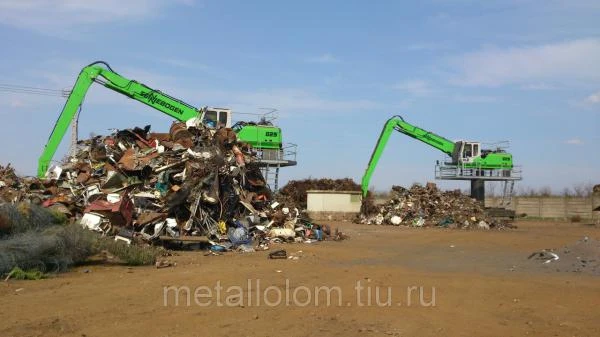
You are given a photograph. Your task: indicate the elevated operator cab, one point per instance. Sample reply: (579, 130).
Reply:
(465, 152)
(216, 117)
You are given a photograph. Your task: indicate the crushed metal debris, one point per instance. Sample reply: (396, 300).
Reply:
(428, 206)
(193, 184)
(294, 192)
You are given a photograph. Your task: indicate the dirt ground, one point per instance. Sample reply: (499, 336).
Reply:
(474, 283)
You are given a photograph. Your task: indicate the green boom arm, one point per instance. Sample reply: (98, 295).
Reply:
(110, 79)
(397, 123)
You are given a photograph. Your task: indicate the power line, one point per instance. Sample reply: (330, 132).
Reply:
(27, 87)
(21, 89)
(30, 92)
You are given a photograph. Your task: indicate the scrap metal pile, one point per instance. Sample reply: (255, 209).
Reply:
(427, 206)
(294, 192)
(11, 186)
(194, 181)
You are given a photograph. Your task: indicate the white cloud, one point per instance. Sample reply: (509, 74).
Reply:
(574, 141)
(593, 98)
(571, 61)
(324, 58)
(414, 87)
(61, 17)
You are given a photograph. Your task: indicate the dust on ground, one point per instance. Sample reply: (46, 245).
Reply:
(484, 283)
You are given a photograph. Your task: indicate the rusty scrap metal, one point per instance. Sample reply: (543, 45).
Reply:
(192, 182)
(428, 206)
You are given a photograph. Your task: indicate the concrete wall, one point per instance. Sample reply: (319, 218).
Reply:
(551, 207)
(333, 205)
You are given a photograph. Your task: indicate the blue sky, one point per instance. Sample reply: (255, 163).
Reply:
(524, 71)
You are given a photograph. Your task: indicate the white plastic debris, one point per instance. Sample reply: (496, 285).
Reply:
(113, 198)
(54, 172)
(157, 230)
(92, 221)
(379, 219)
(396, 220)
(545, 255)
(122, 238)
(554, 257)
(171, 222)
(193, 122)
(199, 155)
(282, 233)
(92, 189)
(483, 225)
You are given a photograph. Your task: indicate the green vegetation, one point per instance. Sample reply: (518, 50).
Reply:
(35, 242)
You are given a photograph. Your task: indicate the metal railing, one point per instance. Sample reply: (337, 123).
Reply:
(462, 172)
(284, 156)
